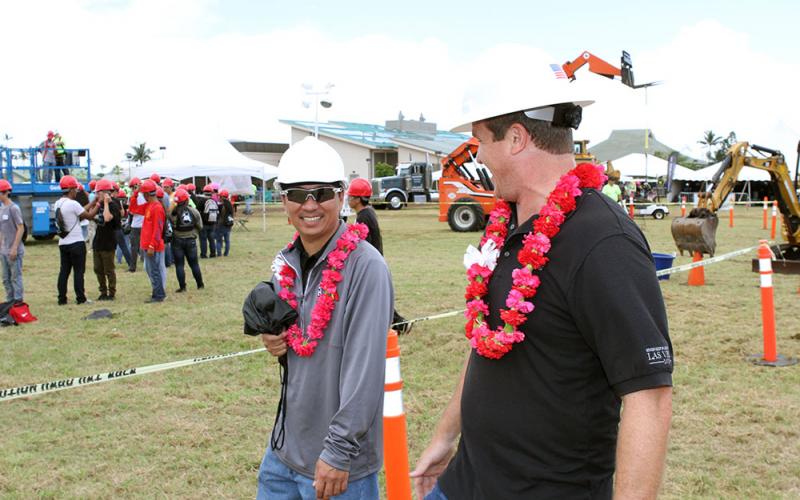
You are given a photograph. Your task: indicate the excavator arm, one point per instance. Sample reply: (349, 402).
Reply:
(603, 68)
(696, 232)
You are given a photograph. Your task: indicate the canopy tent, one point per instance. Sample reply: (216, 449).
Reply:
(747, 174)
(639, 166)
(217, 160)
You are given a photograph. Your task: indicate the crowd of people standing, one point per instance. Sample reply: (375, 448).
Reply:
(154, 221)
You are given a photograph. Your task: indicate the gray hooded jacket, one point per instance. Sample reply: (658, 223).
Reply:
(334, 400)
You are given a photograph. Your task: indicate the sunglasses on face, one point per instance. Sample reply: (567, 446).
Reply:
(320, 195)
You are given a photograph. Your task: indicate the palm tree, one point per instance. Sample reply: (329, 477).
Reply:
(116, 172)
(710, 140)
(141, 154)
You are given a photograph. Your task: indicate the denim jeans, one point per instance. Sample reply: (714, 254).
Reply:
(168, 257)
(152, 266)
(73, 258)
(223, 234)
(12, 278)
(276, 481)
(207, 241)
(135, 237)
(186, 248)
(436, 493)
(123, 247)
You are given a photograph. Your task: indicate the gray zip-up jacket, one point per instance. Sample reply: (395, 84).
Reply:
(334, 399)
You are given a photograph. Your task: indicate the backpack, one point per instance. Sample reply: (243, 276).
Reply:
(211, 208)
(61, 226)
(168, 232)
(228, 221)
(21, 313)
(126, 224)
(184, 219)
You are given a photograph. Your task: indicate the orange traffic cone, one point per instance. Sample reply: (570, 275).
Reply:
(770, 357)
(395, 441)
(697, 275)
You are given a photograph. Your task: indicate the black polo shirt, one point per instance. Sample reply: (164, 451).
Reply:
(105, 236)
(368, 217)
(542, 421)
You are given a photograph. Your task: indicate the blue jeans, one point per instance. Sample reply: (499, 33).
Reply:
(12, 278)
(207, 241)
(186, 248)
(436, 493)
(276, 481)
(168, 258)
(123, 247)
(223, 233)
(152, 266)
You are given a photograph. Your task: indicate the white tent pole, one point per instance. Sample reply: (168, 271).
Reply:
(263, 204)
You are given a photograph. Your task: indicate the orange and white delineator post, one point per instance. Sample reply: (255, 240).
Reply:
(631, 208)
(395, 441)
(683, 206)
(774, 219)
(766, 204)
(730, 214)
(770, 356)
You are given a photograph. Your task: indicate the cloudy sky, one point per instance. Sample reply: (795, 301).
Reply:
(111, 73)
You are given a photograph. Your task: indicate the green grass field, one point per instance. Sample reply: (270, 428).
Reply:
(200, 431)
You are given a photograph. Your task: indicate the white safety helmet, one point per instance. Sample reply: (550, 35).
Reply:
(310, 160)
(536, 88)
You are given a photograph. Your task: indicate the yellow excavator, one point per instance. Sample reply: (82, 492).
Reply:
(697, 231)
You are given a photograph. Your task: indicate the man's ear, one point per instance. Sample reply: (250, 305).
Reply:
(518, 138)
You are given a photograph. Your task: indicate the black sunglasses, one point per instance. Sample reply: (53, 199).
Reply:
(320, 194)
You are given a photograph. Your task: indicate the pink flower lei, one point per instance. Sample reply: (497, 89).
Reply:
(305, 344)
(494, 344)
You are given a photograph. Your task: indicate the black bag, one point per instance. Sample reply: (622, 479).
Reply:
(126, 224)
(61, 226)
(168, 232)
(184, 219)
(228, 221)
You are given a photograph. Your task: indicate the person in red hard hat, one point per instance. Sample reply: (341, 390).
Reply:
(155, 178)
(358, 195)
(48, 151)
(225, 219)
(209, 209)
(152, 240)
(12, 249)
(71, 244)
(135, 221)
(105, 240)
(123, 238)
(187, 224)
(168, 185)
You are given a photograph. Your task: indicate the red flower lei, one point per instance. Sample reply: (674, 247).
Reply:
(494, 344)
(304, 345)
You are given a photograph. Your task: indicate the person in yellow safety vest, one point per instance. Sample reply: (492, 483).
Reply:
(61, 156)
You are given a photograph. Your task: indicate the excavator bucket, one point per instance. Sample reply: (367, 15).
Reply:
(696, 232)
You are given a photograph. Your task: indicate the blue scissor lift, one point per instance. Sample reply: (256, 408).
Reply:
(35, 185)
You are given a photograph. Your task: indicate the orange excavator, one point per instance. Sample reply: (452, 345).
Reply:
(602, 68)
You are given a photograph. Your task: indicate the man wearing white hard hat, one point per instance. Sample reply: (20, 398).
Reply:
(565, 321)
(327, 438)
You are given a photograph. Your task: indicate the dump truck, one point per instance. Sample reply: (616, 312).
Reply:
(35, 186)
(697, 231)
(466, 191)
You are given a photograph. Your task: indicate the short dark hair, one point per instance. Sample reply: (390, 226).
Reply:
(364, 200)
(545, 136)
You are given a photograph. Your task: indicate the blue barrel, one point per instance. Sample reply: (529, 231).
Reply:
(663, 261)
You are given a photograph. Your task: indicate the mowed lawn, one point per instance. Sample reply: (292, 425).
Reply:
(200, 431)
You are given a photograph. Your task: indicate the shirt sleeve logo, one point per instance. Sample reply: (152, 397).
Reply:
(658, 356)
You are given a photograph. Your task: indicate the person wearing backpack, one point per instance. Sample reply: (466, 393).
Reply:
(11, 247)
(151, 243)
(187, 224)
(209, 213)
(222, 231)
(105, 240)
(71, 245)
(136, 218)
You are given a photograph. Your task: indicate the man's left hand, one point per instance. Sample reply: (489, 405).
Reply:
(329, 481)
(12, 254)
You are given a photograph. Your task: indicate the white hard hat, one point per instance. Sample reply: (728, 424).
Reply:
(534, 88)
(310, 160)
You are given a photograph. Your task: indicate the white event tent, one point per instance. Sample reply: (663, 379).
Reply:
(640, 166)
(214, 158)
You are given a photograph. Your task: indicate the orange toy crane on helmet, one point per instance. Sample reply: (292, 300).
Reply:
(603, 68)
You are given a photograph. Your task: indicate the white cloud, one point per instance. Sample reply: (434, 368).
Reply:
(108, 75)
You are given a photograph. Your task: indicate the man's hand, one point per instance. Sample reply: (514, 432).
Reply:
(276, 345)
(150, 252)
(327, 480)
(12, 254)
(430, 466)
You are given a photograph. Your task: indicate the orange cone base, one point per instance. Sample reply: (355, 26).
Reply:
(780, 361)
(395, 458)
(697, 276)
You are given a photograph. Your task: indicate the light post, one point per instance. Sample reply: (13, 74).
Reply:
(318, 101)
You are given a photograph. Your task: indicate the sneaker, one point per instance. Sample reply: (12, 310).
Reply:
(62, 302)
(110, 297)
(200, 287)
(84, 301)
(181, 289)
(102, 297)
(131, 270)
(151, 300)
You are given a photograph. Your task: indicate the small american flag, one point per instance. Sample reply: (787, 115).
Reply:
(557, 71)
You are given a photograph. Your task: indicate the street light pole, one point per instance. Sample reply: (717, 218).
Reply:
(317, 95)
